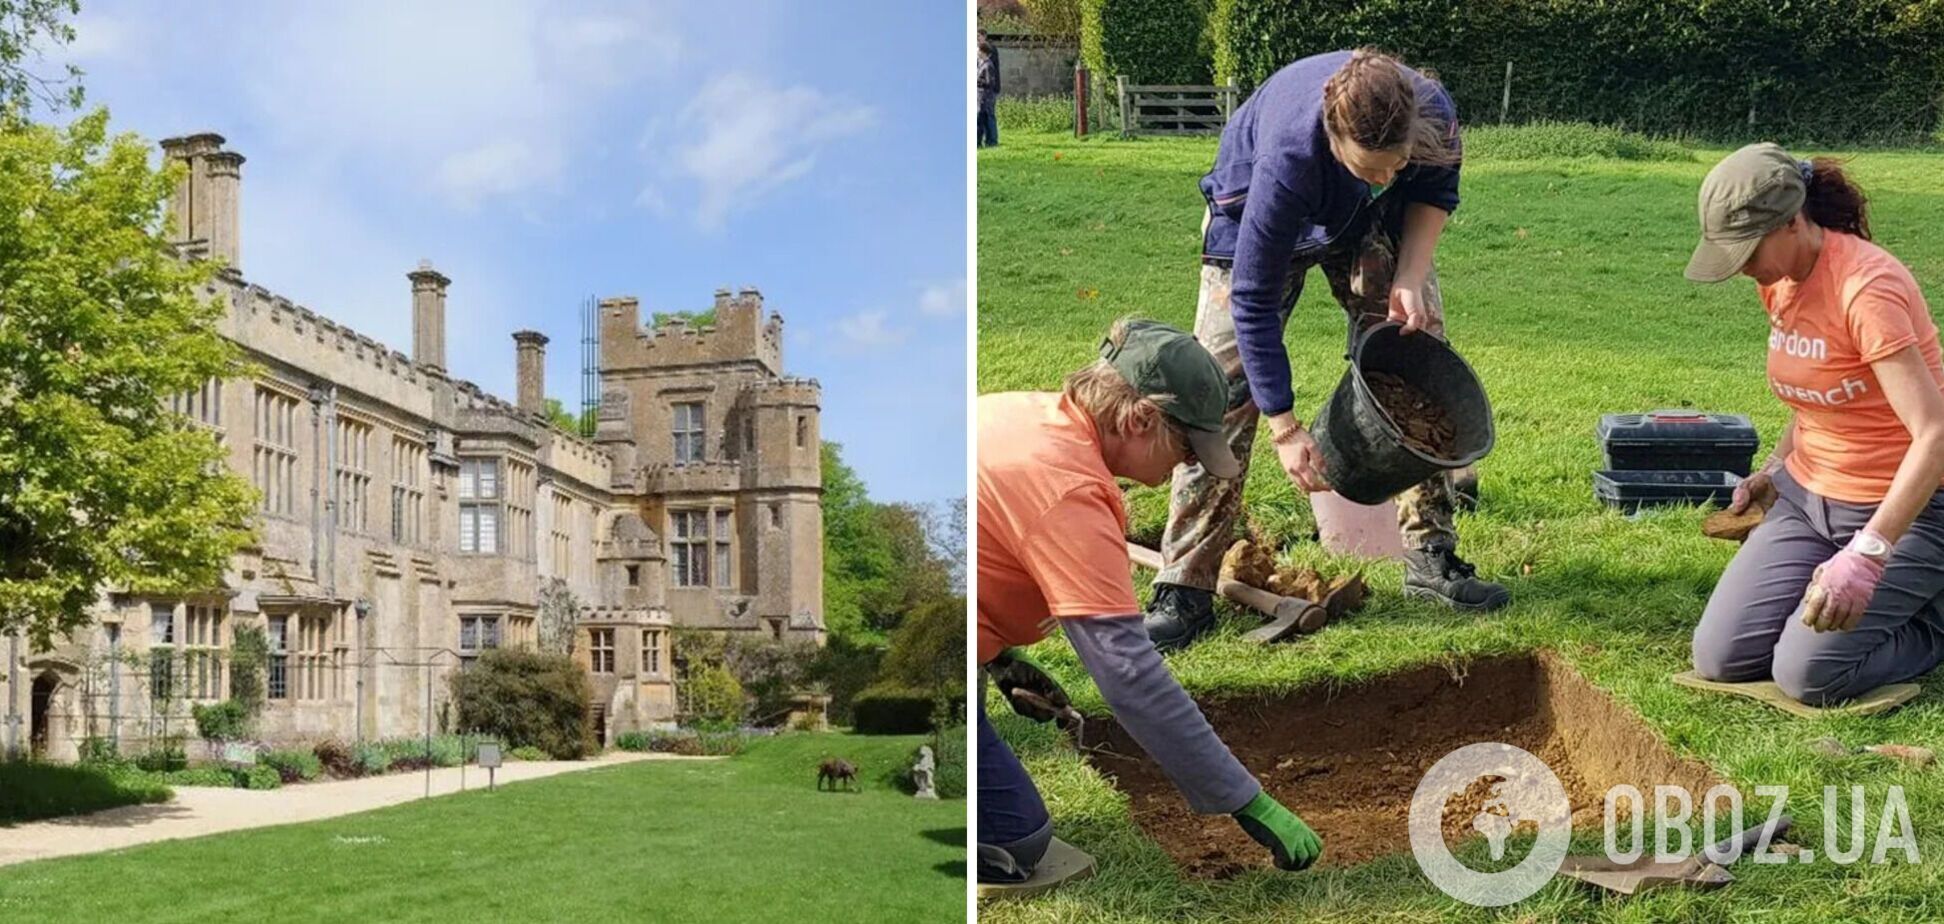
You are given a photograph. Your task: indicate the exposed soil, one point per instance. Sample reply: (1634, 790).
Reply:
(1734, 527)
(1348, 760)
(1251, 562)
(1423, 422)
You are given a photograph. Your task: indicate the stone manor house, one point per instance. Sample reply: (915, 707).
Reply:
(409, 520)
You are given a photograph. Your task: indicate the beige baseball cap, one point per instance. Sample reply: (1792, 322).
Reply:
(1750, 193)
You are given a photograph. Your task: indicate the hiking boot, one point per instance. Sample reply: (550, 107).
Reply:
(1439, 574)
(1178, 615)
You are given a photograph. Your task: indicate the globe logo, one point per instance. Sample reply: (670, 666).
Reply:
(1520, 790)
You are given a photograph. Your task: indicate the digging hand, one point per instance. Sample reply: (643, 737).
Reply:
(1301, 460)
(1027, 687)
(1840, 591)
(1757, 489)
(1292, 842)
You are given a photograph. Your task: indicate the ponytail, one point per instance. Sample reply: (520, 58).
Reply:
(1373, 103)
(1832, 201)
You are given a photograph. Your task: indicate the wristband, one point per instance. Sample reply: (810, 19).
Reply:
(1285, 436)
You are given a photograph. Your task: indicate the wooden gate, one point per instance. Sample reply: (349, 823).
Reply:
(1173, 109)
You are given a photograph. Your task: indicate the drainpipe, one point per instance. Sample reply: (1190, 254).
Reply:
(317, 472)
(13, 696)
(330, 523)
(363, 609)
(114, 684)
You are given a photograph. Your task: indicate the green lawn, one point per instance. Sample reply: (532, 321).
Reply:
(743, 839)
(1562, 283)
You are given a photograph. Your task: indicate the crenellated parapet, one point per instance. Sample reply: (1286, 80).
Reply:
(789, 391)
(626, 615)
(741, 333)
(719, 477)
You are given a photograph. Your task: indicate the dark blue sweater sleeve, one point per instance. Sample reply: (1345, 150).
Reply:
(1272, 220)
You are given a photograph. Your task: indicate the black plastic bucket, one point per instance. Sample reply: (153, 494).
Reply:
(1364, 453)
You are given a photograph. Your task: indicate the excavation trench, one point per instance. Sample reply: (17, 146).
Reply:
(1348, 759)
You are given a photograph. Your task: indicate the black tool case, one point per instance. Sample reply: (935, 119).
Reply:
(1679, 440)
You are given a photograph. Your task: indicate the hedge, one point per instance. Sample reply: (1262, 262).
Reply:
(892, 710)
(1825, 70)
(1148, 41)
(524, 699)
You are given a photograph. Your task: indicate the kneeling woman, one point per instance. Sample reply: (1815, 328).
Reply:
(1841, 589)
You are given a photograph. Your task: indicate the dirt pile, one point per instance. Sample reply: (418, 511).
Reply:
(1349, 759)
(1250, 562)
(1733, 527)
(1424, 424)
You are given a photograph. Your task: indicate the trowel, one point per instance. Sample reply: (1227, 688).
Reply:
(1695, 872)
(1069, 719)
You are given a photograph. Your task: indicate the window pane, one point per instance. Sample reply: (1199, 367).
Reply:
(722, 526)
(161, 624)
(278, 632)
(489, 478)
(468, 632)
(722, 564)
(489, 530)
(468, 529)
(490, 634)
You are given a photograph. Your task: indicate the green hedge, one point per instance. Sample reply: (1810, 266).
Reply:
(1830, 70)
(892, 710)
(1148, 41)
(31, 790)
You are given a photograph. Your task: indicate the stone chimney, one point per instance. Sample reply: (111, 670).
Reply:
(208, 198)
(428, 315)
(530, 366)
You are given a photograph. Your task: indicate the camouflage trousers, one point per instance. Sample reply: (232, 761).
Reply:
(1202, 509)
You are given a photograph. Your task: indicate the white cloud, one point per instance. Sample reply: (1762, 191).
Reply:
(943, 301)
(98, 36)
(481, 100)
(866, 329)
(747, 137)
(495, 168)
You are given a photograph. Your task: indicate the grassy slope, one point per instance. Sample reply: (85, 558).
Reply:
(746, 839)
(1563, 286)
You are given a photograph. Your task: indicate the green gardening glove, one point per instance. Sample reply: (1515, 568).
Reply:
(1027, 687)
(1278, 829)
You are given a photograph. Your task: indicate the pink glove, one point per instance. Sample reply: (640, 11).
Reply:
(1840, 591)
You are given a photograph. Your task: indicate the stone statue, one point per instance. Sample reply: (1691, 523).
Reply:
(921, 773)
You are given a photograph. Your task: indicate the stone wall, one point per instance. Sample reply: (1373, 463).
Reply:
(1034, 66)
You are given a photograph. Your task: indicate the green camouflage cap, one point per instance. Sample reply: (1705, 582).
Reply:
(1750, 193)
(1161, 360)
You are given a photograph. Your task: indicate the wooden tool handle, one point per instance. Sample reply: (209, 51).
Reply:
(1144, 556)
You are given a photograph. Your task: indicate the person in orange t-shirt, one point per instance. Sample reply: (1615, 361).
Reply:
(1053, 553)
(1840, 590)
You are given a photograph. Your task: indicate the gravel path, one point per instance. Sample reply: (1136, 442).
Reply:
(200, 810)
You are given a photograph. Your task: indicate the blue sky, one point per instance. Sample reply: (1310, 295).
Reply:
(540, 153)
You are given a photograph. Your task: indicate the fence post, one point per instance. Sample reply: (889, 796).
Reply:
(1228, 101)
(1505, 102)
(1120, 82)
(1079, 98)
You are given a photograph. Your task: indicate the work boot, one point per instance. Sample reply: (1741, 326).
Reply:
(1178, 615)
(1439, 574)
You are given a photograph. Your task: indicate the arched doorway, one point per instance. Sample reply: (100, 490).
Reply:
(39, 714)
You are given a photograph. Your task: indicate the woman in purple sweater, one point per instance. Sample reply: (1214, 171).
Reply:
(1347, 161)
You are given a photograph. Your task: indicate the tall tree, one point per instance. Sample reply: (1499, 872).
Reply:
(101, 326)
(858, 559)
(26, 28)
